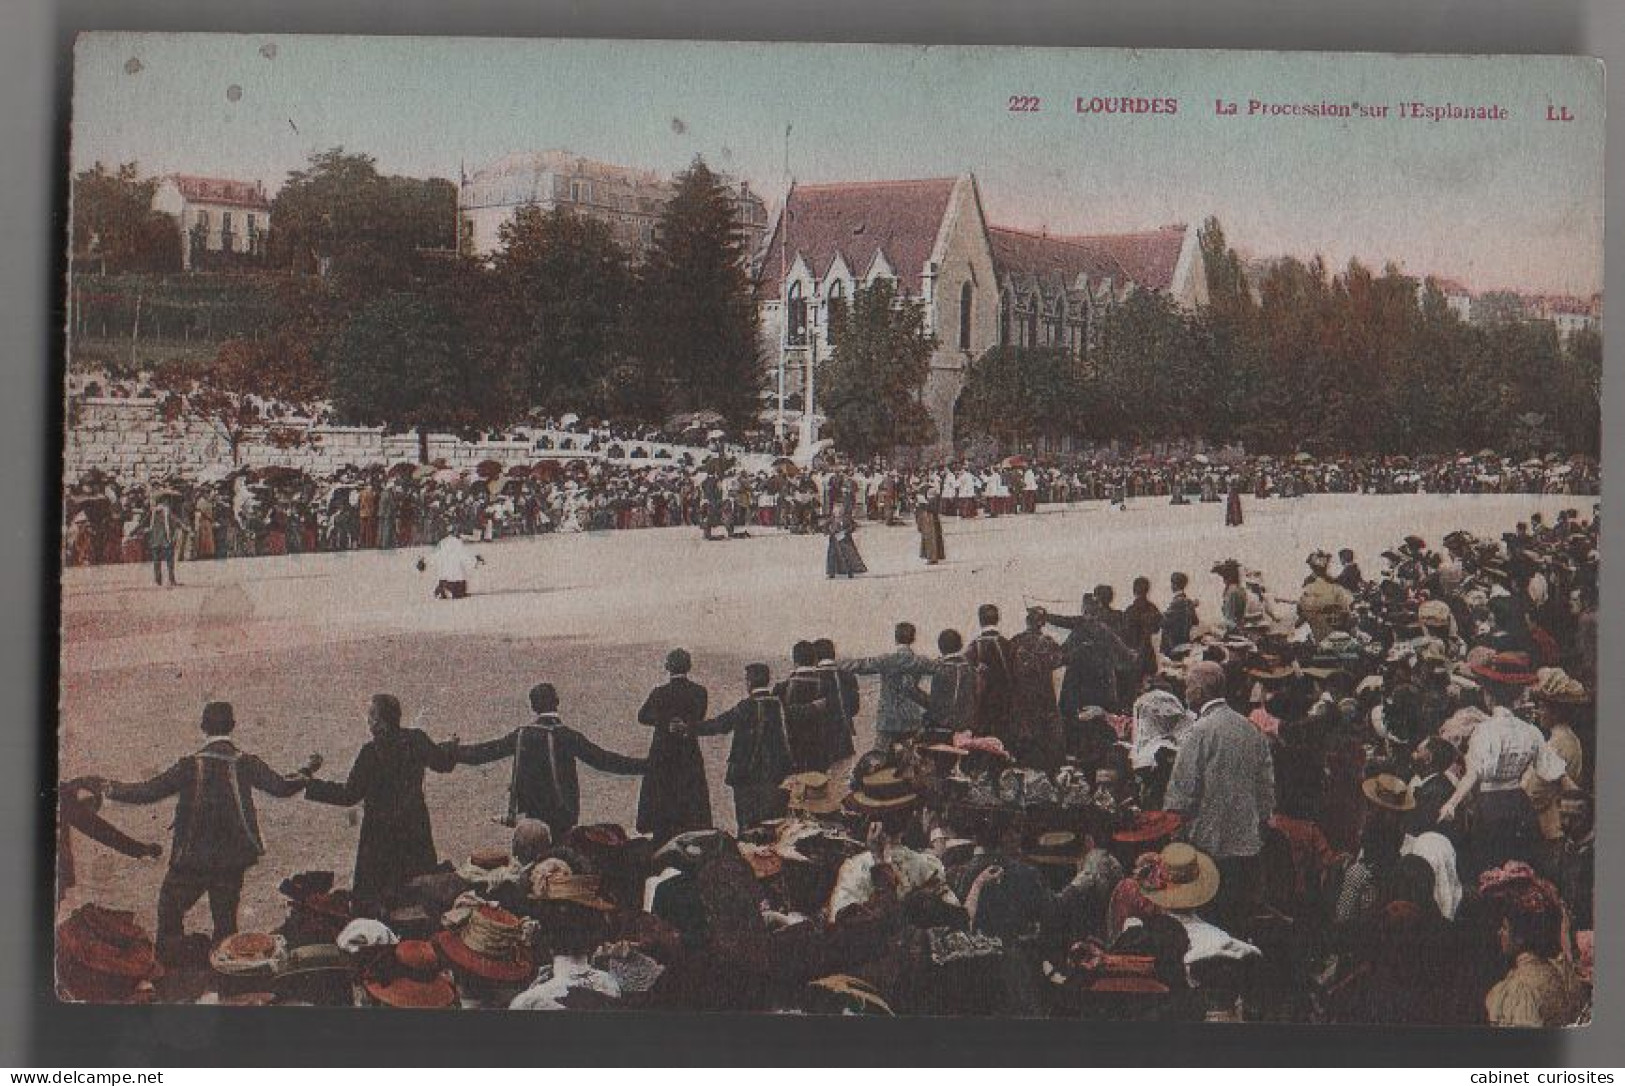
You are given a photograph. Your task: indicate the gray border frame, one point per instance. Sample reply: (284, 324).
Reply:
(35, 69)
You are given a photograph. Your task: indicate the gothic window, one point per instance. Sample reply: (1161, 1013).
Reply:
(836, 313)
(1006, 303)
(796, 316)
(966, 294)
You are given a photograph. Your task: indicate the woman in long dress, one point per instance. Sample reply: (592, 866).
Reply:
(842, 559)
(929, 523)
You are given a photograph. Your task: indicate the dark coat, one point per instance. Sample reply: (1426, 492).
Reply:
(1178, 621)
(839, 691)
(760, 752)
(544, 784)
(77, 813)
(1034, 731)
(989, 656)
(396, 842)
(675, 795)
(950, 700)
(804, 687)
(216, 829)
(1094, 658)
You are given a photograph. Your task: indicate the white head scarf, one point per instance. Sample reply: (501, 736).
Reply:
(1160, 720)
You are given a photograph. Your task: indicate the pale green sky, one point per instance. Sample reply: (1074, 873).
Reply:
(1514, 204)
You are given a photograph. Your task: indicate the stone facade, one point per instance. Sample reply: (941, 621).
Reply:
(628, 201)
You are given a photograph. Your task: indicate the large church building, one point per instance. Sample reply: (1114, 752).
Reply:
(980, 285)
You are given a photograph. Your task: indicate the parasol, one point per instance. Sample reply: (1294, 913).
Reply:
(569, 418)
(488, 469)
(1014, 462)
(402, 468)
(447, 476)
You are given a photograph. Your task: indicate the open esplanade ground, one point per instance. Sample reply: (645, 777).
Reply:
(299, 643)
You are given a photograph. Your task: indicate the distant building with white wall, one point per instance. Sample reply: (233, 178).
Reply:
(629, 201)
(215, 215)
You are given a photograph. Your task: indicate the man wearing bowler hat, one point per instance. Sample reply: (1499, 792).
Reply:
(217, 835)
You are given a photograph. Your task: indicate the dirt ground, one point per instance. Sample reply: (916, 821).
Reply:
(298, 644)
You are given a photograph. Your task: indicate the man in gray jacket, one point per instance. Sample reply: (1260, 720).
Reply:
(1223, 783)
(899, 712)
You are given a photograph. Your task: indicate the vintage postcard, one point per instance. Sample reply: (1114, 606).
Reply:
(830, 529)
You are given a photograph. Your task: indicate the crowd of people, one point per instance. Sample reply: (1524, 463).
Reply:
(282, 510)
(1368, 803)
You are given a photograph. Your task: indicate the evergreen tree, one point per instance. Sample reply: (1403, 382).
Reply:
(697, 317)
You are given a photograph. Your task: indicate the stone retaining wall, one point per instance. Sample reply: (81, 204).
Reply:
(127, 438)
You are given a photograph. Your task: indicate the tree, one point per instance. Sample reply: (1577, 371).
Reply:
(564, 286)
(339, 217)
(408, 362)
(1015, 394)
(871, 386)
(1149, 376)
(250, 389)
(697, 326)
(115, 229)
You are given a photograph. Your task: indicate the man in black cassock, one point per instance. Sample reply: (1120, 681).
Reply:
(397, 842)
(759, 757)
(675, 795)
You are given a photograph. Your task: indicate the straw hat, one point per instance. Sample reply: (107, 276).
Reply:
(248, 953)
(571, 889)
(1061, 848)
(1182, 878)
(490, 945)
(863, 994)
(815, 793)
(1555, 684)
(1389, 792)
(882, 790)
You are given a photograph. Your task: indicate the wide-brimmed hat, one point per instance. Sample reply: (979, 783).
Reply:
(490, 945)
(1556, 685)
(1389, 792)
(488, 859)
(882, 790)
(815, 793)
(248, 953)
(571, 889)
(1227, 565)
(315, 958)
(865, 998)
(410, 976)
(1511, 668)
(1435, 613)
(1149, 826)
(1183, 877)
(1058, 847)
(103, 955)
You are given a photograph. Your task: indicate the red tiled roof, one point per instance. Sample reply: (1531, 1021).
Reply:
(1148, 256)
(858, 220)
(222, 190)
(1020, 253)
